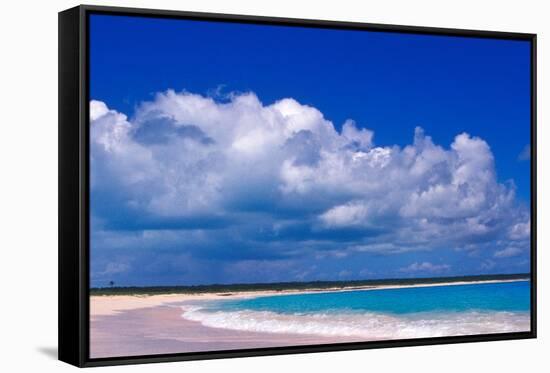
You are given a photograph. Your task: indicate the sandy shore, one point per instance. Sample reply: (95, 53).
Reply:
(126, 325)
(162, 330)
(142, 325)
(101, 305)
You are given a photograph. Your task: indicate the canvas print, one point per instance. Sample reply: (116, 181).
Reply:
(259, 186)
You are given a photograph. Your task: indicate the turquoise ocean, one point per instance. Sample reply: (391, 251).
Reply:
(396, 313)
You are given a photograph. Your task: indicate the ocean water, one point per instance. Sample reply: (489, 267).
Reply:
(400, 313)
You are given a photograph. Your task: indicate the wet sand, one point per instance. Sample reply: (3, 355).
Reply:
(162, 329)
(130, 325)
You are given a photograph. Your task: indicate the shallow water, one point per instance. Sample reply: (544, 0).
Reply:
(377, 314)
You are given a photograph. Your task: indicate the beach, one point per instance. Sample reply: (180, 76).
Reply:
(143, 325)
(130, 325)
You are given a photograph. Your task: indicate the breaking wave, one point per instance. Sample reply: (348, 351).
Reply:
(366, 325)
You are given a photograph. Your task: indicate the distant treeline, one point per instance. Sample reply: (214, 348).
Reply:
(280, 286)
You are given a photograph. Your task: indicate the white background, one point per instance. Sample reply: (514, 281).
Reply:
(28, 185)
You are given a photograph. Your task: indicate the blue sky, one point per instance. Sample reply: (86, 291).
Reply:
(182, 97)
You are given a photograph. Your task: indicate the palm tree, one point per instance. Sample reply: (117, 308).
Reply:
(111, 283)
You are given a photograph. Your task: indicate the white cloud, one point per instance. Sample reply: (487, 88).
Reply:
(362, 138)
(525, 154)
(487, 265)
(113, 268)
(184, 155)
(97, 109)
(520, 231)
(508, 252)
(345, 215)
(464, 187)
(426, 267)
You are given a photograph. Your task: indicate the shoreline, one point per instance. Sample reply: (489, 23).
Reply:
(162, 330)
(111, 304)
(130, 325)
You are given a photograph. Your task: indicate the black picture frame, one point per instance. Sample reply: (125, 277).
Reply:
(74, 231)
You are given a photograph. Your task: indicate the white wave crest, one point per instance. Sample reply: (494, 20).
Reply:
(370, 326)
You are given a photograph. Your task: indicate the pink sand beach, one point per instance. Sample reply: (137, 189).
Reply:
(145, 325)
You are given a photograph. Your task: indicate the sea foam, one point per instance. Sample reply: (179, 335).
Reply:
(365, 325)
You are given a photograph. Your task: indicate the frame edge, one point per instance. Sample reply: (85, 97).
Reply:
(305, 22)
(533, 206)
(69, 248)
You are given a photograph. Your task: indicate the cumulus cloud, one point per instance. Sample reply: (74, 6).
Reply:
(281, 180)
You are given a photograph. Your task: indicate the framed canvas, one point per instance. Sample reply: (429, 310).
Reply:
(240, 186)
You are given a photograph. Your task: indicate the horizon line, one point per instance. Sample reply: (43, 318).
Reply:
(524, 275)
